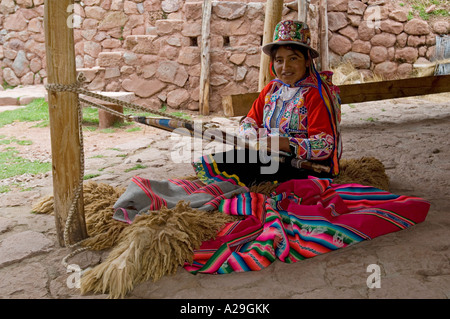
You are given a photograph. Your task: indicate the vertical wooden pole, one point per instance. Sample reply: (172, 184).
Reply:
(205, 61)
(273, 13)
(302, 10)
(64, 130)
(323, 35)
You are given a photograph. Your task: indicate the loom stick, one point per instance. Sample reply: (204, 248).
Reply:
(216, 134)
(205, 59)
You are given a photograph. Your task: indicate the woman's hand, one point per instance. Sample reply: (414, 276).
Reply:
(283, 144)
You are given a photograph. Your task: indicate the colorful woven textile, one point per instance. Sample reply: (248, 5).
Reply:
(303, 219)
(143, 195)
(207, 171)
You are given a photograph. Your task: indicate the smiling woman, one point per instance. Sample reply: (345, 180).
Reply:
(290, 63)
(296, 115)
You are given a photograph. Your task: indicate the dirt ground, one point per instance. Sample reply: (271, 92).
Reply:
(410, 136)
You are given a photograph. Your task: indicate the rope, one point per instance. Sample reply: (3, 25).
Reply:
(79, 188)
(76, 88)
(116, 113)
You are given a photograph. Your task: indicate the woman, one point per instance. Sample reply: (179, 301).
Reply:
(297, 114)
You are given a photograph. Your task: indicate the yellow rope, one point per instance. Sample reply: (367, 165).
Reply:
(76, 88)
(79, 189)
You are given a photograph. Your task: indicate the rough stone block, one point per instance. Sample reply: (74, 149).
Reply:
(17, 247)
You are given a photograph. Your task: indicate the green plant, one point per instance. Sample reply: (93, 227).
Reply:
(121, 33)
(89, 176)
(90, 116)
(441, 12)
(13, 165)
(134, 129)
(121, 124)
(107, 130)
(128, 111)
(89, 128)
(43, 123)
(14, 140)
(35, 111)
(182, 115)
(422, 12)
(24, 142)
(136, 167)
(370, 119)
(419, 8)
(5, 142)
(6, 86)
(4, 189)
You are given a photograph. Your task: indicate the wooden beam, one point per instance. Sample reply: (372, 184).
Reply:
(240, 104)
(302, 10)
(205, 59)
(64, 129)
(375, 91)
(273, 12)
(323, 35)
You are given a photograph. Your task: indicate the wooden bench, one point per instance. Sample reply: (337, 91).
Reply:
(240, 104)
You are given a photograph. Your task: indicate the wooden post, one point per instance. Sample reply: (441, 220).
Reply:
(64, 130)
(240, 104)
(205, 68)
(323, 35)
(274, 9)
(302, 10)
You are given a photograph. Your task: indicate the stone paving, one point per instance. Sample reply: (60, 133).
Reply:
(410, 136)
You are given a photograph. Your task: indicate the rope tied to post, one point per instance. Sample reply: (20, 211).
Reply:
(207, 130)
(79, 188)
(77, 88)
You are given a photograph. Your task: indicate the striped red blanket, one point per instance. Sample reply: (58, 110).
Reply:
(302, 219)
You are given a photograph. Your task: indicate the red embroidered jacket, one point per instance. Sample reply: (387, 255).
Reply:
(304, 119)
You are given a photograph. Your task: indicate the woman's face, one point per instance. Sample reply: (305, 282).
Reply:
(290, 65)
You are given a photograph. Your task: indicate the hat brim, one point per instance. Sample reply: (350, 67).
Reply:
(268, 47)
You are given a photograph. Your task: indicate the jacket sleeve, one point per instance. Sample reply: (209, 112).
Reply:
(254, 120)
(320, 142)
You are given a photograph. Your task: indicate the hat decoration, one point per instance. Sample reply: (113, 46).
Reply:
(291, 32)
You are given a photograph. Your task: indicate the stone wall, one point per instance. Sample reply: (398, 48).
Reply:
(377, 37)
(152, 47)
(22, 42)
